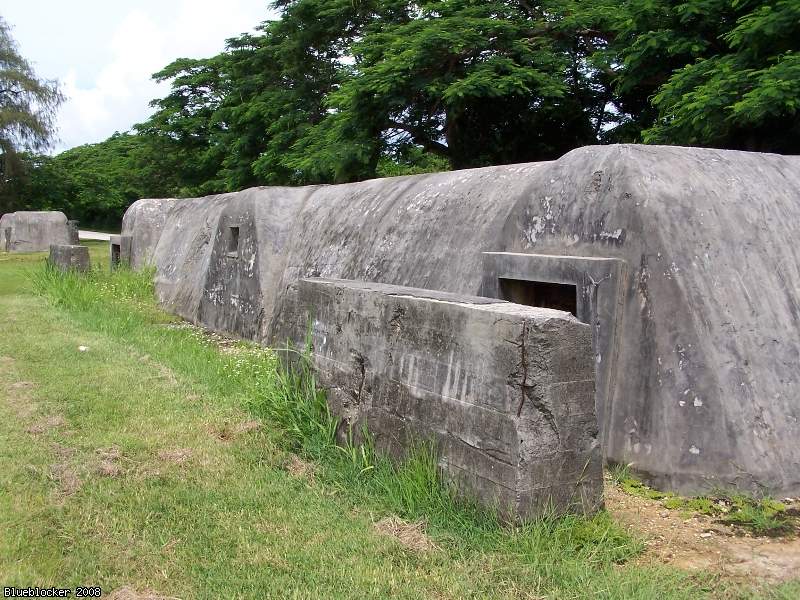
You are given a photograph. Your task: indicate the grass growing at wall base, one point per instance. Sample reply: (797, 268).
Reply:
(570, 557)
(120, 303)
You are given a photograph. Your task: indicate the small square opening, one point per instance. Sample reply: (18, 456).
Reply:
(233, 242)
(560, 296)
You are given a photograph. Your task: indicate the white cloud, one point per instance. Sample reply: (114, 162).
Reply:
(143, 42)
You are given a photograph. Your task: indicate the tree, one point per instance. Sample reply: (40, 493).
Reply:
(337, 90)
(716, 73)
(240, 114)
(185, 125)
(475, 82)
(27, 113)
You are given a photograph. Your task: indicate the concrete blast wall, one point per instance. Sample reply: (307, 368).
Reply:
(506, 392)
(683, 261)
(70, 258)
(33, 231)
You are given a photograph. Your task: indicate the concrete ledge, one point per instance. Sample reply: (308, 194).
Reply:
(506, 392)
(70, 258)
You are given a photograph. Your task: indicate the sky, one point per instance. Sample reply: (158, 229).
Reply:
(103, 52)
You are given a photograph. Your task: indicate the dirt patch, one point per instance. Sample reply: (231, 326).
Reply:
(19, 398)
(228, 432)
(176, 456)
(66, 477)
(109, 462)
(300, 469)
(409, 535)
(22, 385)
(697, 542)
(129, 593)
(47, 424)
(61, 451)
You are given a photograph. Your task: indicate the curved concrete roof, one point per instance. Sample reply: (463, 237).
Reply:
(699, 324)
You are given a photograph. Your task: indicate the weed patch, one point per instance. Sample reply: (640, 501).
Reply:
(760, 516)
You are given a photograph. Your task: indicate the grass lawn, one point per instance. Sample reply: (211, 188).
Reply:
(138, 455)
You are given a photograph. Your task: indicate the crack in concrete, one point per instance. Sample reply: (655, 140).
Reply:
(495, 453)
(524, 365)
(538, 403)
(361, 365)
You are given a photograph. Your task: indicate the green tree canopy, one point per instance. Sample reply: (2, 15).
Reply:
(343, 90)
(720, 73)
(28, 106)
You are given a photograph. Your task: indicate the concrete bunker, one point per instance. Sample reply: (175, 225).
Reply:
(35, 231)
(683, 261)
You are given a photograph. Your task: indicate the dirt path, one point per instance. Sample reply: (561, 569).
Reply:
(699, 542)
(98, 236)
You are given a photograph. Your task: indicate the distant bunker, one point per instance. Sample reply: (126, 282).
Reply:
(683, 265)
(35, 231)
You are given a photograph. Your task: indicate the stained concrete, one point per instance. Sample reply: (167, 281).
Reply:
(695, 311)
(33, 231)
(70, 258)
(505, 392)
(74, 234)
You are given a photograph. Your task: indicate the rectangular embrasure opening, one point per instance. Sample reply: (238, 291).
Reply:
(233, 241)
(560, 296)
(115, 254)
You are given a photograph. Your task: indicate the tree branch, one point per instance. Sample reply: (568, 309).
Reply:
(422, 139)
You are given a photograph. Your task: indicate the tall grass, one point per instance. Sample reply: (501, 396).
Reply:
(566, 553)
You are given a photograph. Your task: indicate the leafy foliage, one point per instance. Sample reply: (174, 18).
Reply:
(344, 90)
(96, 183)
(27, 110)
(716, 73)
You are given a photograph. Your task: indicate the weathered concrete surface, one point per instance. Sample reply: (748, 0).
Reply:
(70, 258)
(506, 392)
(144, 221)
(120, 250)
(697, 363)
(33, 231)
(74, 236)
(599, 285)
(199, 277)
(706, 384)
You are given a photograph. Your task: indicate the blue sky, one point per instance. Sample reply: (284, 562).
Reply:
(103, 52)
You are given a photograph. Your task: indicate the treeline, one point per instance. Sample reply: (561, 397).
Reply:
(344, 90)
